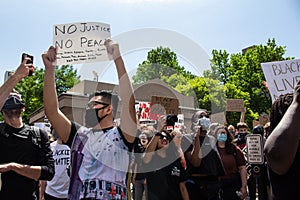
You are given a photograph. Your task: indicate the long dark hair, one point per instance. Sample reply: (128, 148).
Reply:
(279, 107)
(230, 147)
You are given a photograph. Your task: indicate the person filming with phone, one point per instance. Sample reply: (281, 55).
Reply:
(25, 154)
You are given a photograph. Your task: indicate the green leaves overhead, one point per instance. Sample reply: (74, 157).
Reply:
(235, 76)
(161, 62)
(31, 88)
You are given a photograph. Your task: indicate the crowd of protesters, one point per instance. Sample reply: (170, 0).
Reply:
(160, 161)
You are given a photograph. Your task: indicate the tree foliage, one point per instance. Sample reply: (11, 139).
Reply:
(31, 88)
(245, 74)
(161, 62)
(235, 76)
(220, 67)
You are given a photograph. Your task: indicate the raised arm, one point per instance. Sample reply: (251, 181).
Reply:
(243, 113)
(128, 122)
(58, 120)
(21, 72)
(195, 156)
(282, 144)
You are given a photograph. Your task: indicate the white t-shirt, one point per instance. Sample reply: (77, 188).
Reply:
(105, 164)
(59, 185)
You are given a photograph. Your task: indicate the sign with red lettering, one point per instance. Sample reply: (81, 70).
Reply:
(143, 110)
(281, 76)
(81, 42)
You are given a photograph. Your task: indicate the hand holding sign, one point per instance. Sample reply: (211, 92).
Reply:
(80, 42)
(281, 76)
(112, 49)
(49, 57)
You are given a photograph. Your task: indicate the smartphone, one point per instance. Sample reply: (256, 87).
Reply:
(25, 55)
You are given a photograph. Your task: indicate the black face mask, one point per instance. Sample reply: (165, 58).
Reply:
(91, 117)
(241, 138)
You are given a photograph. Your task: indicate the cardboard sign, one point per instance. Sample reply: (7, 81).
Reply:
(164, 105)
(281, 76)
(81, 42)
(254, 149)
(235, 105)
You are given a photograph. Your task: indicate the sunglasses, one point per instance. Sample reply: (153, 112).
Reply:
(91, 104)
(165, 136)
(222, 133)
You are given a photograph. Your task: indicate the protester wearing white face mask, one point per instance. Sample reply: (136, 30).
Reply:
(234, 182)
(203, 162)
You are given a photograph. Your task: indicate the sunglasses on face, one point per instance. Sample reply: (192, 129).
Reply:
(223, 132)
(92, 104)
(164, 137)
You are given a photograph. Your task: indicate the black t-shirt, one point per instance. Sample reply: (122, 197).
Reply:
(287, 186)
(20, 149)
(163, 184)
(211, 163)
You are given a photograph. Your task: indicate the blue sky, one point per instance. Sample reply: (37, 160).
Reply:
(229, 25)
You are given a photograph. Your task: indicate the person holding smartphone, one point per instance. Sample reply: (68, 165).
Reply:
(25, 154)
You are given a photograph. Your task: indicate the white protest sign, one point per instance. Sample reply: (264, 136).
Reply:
(254, 149)
(80, 42)
(281, 76)
(180, 119)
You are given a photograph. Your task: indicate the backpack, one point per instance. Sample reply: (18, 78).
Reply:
(32, 132)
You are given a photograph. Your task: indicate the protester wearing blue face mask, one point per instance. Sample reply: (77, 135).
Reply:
(222, 137)
(234, 182)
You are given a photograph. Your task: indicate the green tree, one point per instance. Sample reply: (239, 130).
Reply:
(243, 71)
(161, 62)
(220, 66)
(208, 92)
(31, 88)
(248, 74)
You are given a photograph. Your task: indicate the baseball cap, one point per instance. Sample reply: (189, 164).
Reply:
(13, 101)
